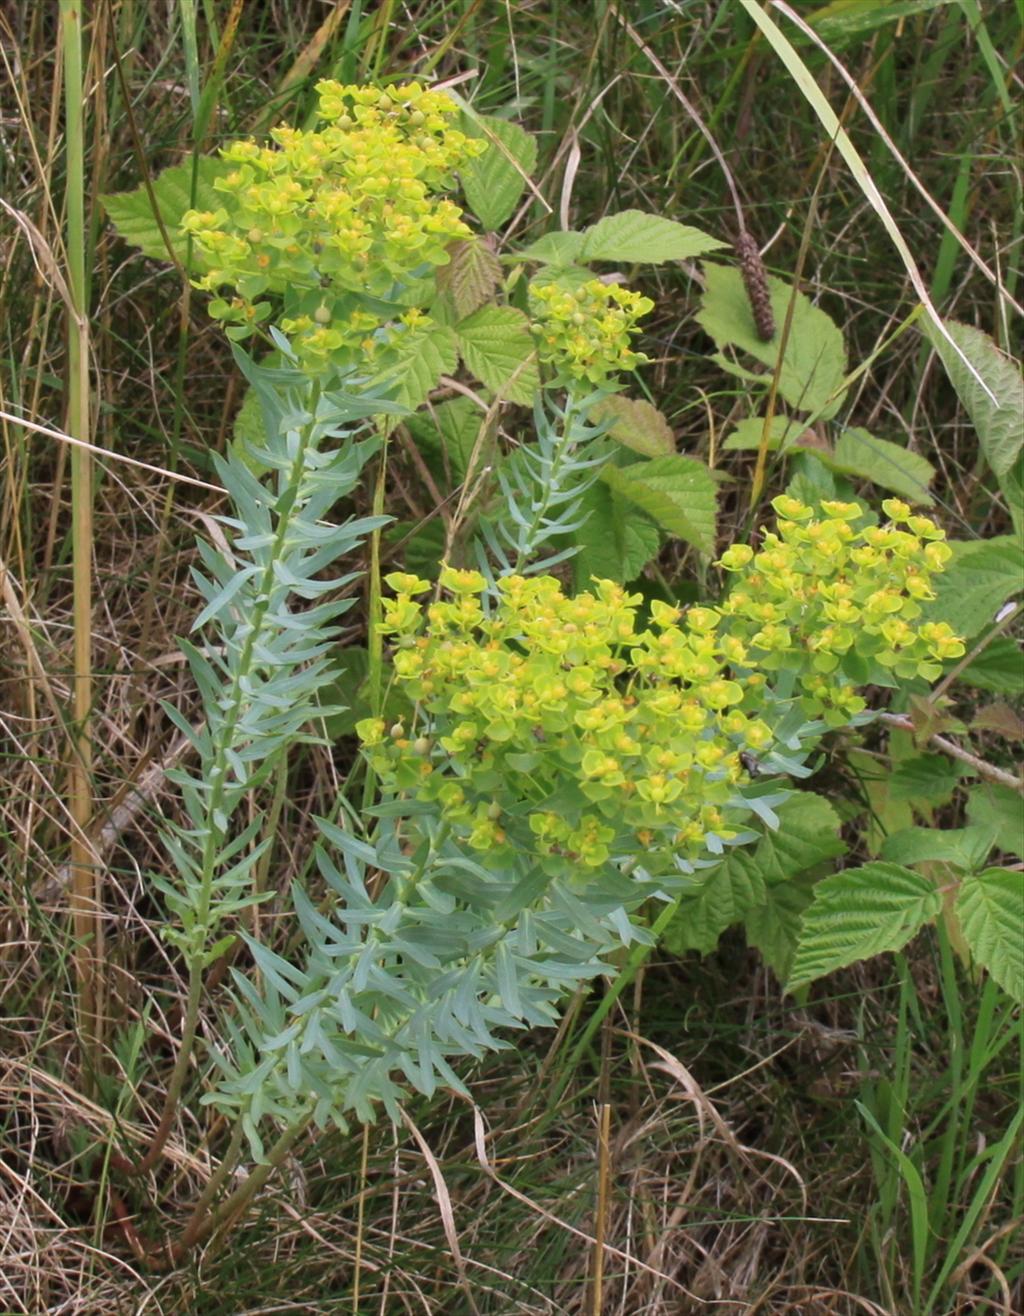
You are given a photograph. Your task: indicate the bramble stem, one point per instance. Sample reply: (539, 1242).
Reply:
(984, 769)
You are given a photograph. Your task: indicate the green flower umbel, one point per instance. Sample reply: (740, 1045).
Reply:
(344, 224)
(585, 333)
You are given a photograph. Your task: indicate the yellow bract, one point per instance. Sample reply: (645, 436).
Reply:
(617, 738)
(345, 222)
(585, 332)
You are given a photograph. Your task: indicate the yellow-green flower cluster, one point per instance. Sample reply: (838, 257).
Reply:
(343, 222)
(558, 724)
(558, 718)
(585, 333)
(821, 596)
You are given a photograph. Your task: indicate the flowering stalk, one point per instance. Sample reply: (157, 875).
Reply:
(263, 689)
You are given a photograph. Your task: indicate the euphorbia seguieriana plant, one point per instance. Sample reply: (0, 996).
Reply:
(551, 766)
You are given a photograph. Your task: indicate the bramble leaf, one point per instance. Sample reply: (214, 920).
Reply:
(1000, 425)
(927, 778)
(814, 363)
(632, 236)
(471, 276)
(636, 424)
(980, 577)
(773, 928)
(731, 892)
(998, 668)
(497, 346)
(990, 908)
(677, 492)
(966, 848)
(421, 357)
(615, 542)
(783, 433)
(864, 457)
(560, 247)
(860, 913)
(808, 834)
(1001, 811)
(494, 182)
(131, 213)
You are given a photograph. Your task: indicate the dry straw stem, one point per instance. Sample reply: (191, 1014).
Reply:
(85, 892)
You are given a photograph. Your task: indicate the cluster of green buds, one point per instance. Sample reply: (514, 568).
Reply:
(344, 224)
(562, 726)
(585, 333)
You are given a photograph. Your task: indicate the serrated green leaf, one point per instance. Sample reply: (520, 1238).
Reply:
(783, 433)
(814, 363)
(1012, 485)
(773, 928)
(497, 346)
(471, 276)
(562, 247)
(999, 425)
(861, 455)
(416, 361)
(494, 181)
(980, 577)
(966, 848)
(860, 913)
(990, 909)
(636, 424)
(679, 493)
(447, 437)
(930, 778)
(999, 668)
(808, 835)
(1000, 810)
(615, 542)
(634, 237)
(131, 213)
(728, 894)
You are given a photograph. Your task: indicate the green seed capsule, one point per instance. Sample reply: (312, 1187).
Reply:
(494, 811)
(256, 236)
(386, 103)
(322, 315)
(417, 118)
(397, 731)
(421, 745)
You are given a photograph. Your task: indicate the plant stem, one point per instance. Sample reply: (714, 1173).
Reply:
(625, 976)
(216, 832)
(565, 444)
(987, 770)
(84, 878)
(200, 1227)
(374, 614)
(228, 1162)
